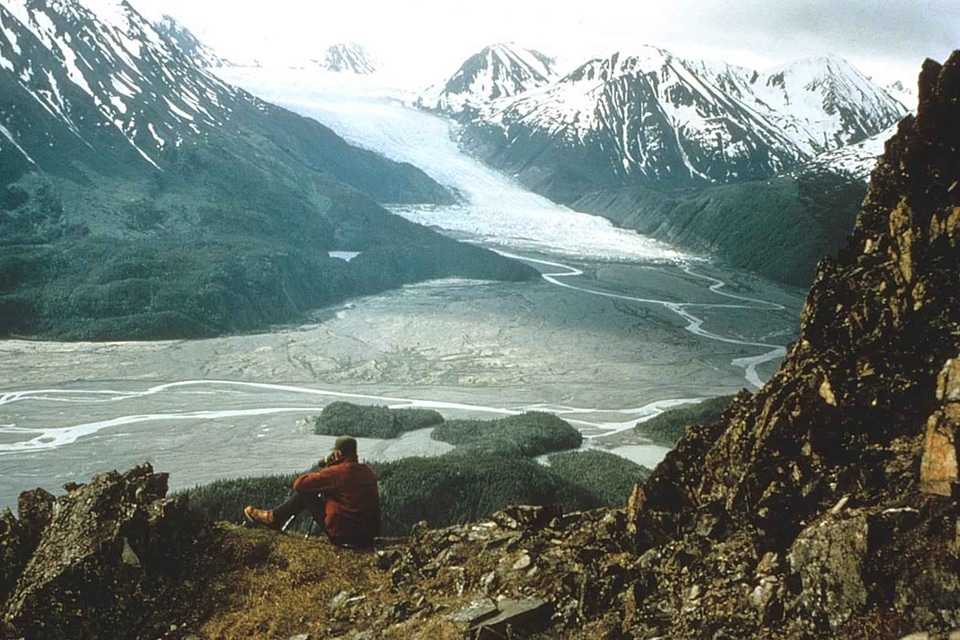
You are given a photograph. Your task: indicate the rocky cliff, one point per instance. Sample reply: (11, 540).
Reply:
(824, 506)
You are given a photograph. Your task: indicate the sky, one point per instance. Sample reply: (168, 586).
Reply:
(886, 39)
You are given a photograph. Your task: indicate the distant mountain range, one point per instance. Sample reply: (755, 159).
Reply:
(141, 197)
(499, 71)
(653, 118)
(688, 151)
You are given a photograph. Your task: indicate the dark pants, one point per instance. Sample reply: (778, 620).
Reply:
(297, 504)
(313, 502)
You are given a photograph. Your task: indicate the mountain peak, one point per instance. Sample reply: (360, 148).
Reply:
(500, 70)
(348, 57)
(183, 39)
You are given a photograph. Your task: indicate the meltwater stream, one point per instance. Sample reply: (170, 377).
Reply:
(620, 328)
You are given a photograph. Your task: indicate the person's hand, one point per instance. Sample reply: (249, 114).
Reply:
(334, 457)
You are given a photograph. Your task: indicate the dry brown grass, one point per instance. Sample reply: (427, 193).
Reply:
(264, 584)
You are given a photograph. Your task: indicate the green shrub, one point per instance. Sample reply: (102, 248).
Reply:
(454, 489)
(224, 500)
(667, 428)
(607, 477)
(345, 418)
(528, 434)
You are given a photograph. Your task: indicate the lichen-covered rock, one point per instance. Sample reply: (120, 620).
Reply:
(35, 509)
(19, 537)
(15, 550)
(829, 558)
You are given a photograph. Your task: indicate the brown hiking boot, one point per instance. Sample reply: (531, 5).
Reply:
(261, 518)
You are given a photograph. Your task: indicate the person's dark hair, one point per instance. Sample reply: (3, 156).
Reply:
(347, 446)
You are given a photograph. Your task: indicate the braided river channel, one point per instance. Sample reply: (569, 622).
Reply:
(618, 329)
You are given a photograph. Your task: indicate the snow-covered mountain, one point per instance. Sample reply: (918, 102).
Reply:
(183, 39)
(143, 198)
(94, 80)
(652, 117)
(348, 57)
(826, 103)
(499, 71)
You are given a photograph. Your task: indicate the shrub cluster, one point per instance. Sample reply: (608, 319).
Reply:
(667, 428)
(608, 478)
(528, 434)
(359, 421)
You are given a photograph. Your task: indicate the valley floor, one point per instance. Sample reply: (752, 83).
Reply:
(619, 328)
(68, 410)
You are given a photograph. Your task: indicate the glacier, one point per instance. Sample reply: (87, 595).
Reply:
(496, 211)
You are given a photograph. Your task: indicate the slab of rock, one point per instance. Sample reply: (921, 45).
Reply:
(939, 470)
(474, 613)
(516, 619)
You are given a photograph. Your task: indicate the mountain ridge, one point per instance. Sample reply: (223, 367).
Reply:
(652, 117)
(142, 198)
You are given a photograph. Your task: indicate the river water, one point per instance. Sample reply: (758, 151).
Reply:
(619, 328)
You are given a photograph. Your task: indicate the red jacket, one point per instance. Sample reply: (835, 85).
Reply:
(352, 502)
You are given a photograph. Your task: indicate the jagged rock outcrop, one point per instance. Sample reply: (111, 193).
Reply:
(96, 562)
(842, 466)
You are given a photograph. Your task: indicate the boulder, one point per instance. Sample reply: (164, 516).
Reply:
(828, 557)
(514, 619)
(106, 555)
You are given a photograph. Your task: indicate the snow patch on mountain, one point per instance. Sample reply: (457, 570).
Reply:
(856, 160)
(10, 137)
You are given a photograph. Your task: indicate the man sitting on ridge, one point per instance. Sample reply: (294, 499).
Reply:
(343, 495)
